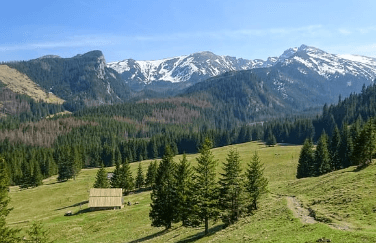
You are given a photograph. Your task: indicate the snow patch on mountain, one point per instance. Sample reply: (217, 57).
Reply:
(199, 66)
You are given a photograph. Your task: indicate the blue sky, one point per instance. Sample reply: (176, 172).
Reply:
(155, 29)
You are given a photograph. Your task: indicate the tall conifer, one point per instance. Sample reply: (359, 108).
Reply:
(183, 178)
(322, 156)
(7, 235)
(163, 206)
(101, 180)
(151, 174)
(306, 160)
(255, 183)
(205, 186)
(335, 149)
(140, 180)
(232, 200)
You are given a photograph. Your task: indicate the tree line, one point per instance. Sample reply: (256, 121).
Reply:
(350, 145)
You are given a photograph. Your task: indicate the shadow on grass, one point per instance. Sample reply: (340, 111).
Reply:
(150, 237)
(86, 210)
(74, 205)
(200, 235)
(360, 167)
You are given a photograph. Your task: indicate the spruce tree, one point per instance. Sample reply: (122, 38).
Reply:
(37, 234)
(255, 183)
(306, 160)
(101, 180)
(183, 178)
(7, 235)
(37, 178)
(140, 180)
(232, 201)
(206, 189)
(322, 156)
(115, 179)
(151, 174)
(163, 197)
(345, 147)
(365, 145)
(334, 149)
(126, 178)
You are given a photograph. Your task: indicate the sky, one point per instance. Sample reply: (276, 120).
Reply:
(156, 29)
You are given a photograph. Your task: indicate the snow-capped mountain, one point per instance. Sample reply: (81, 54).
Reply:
(184, 71)
(329, 65)
(188, 69)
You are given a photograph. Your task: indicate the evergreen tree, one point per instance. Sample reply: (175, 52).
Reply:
(206, 189)
(334, 149)
(183, 180)
(232, 201)
(345, 147)
(26, 180)
(7, 235)
(255, 183)
(37, 234)
(101, 180)
(365, 145)
(37, 178)
(164, 199)
(65, 164)
(306, 160)
(151, 174)
(270, 139)
(140, 180)
(115, 179)
(125, 178)
(322, 156)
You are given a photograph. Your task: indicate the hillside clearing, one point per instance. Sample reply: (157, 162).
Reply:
(273, 222)
(20, 83)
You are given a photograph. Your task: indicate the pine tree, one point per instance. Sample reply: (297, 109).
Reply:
(270, 140)
(306, 160)
(322, 156)
(140, 180)
(101, 180)
(7, 235)
(345, 147)
(255, 183)
(151, 174)
(205, 187)
(334, 149)
(365, 145)
(115, 179)
(37, 234)
(232, 201)
(164, 199)
(65, 163)
(37, 178)
(26, 180)
(183, 180)
(125, 178)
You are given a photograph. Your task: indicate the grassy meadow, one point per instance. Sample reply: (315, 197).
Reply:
(343, 202)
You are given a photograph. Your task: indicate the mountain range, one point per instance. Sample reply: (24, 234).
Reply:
(184, 71)
(300, 78)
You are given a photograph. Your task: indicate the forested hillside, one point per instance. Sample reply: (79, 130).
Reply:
(83, 80)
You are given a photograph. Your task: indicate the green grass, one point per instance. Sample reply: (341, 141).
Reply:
(345, 198)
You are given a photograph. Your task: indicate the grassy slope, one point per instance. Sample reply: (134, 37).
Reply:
(273, 222)
(20, 83)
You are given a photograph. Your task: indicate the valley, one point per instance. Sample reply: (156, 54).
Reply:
(346, 201)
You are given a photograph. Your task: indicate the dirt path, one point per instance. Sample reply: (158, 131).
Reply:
(303, 214)
(299, 212)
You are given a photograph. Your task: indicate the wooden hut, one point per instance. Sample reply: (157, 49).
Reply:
(106, 198)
